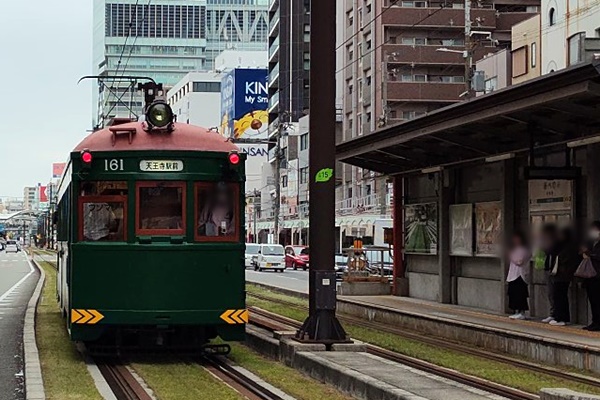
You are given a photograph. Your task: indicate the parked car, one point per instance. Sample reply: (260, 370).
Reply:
(12, 246)
(270, 256)
(297, 257)
(252, 250)
(341, 266)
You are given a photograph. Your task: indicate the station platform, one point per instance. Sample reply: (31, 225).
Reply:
(569, 345)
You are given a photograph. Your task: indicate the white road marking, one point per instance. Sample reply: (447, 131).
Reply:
(16, 285)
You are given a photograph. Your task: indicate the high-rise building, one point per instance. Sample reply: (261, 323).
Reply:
(30, 198)
(289, 61)
(164, 40)
(235, 25)
(404, 59)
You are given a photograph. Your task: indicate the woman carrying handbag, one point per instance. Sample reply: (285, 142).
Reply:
(589, 271)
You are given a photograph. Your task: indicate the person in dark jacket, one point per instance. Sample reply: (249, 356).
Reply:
(592, 285)
(563, 270)
(550, 246)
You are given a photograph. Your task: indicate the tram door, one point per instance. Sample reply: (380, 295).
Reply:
(551, 201)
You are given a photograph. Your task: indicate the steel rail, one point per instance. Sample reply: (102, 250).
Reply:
(237, 380)
(444, 344)
(121, 381)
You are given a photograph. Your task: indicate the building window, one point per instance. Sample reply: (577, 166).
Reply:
(491, 84)
(303, 175)
(576, 48)
(207, 87)
(552, 16)
(284, 181)
(304, 142)
(519, 62)
(533, 54)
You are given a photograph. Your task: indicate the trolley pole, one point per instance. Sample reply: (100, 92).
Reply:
(322, 326)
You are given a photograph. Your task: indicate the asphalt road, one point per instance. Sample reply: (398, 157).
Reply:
(17, 282)
(290, 279)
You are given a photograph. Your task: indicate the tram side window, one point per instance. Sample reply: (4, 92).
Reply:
(103, 210)
(161, 208)
(216, 212)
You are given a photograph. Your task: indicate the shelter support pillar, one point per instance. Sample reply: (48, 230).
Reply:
(508, 222)
(400, 286)
(593, 183)
(445, 197)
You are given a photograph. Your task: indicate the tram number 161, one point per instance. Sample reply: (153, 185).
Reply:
(113, 165)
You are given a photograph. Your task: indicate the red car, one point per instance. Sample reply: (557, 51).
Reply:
(297, 257)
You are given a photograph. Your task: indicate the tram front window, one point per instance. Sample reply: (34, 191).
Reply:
(161, 208)
(216, 211)
(103, 211)
(103, 221)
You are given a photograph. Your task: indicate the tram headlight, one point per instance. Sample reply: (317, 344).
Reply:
(159, 115)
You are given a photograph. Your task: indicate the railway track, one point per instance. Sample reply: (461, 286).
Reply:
(419, 364)
(121, 381)
(236, 379)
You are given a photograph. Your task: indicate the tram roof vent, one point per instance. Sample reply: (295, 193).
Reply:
(120, 121)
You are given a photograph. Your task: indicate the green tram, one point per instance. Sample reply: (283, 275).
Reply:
(150, 237)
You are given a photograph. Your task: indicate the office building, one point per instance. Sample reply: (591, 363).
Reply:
(240, 25)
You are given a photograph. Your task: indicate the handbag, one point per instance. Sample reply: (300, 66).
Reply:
(586, 269)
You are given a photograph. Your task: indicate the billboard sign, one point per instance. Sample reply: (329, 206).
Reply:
(43, 194)
(58, 169)
(244, 115)
(244, 103)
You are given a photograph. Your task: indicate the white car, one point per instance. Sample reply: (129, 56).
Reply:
(270, 256)
(252, 250)
(12, 246)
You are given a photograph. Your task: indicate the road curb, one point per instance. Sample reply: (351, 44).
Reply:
(34, 384)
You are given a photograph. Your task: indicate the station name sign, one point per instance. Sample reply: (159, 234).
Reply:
(161, 165)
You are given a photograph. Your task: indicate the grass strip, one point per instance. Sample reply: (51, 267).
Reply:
(63, 369)
(494, 371)
(176, 380)
(283, 377)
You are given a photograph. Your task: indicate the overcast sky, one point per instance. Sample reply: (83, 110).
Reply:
(45, 47)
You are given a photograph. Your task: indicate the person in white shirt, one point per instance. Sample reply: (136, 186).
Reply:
(518, 276)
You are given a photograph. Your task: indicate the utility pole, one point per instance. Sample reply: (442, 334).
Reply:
(277, 200)
(255, 211)
(384, 94)
(322, 326)
(468, 48)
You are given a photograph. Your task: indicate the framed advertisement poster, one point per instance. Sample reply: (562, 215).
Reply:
(488, 234)
(421, 226)
(461, 230)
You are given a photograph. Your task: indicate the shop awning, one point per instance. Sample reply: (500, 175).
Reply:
(547, 111)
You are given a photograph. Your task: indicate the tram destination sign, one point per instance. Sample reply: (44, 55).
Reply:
(161, 165)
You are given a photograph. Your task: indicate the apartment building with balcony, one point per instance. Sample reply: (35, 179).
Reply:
(403, 59)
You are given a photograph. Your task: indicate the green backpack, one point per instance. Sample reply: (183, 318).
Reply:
(539, 260)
